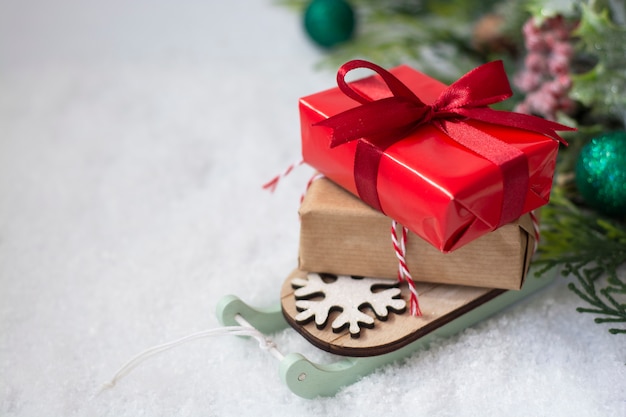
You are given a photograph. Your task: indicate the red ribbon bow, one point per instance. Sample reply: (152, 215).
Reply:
(378, 124)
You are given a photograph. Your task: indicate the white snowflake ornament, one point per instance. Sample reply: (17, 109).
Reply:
(348, 295)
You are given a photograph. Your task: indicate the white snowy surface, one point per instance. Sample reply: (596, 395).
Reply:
(134, 137)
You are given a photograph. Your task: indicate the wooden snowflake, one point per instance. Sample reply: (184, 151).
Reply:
(348, 295)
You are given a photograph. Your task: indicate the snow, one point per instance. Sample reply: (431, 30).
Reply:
(134, 139)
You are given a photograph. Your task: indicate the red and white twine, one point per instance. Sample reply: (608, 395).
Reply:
(403, 270)
(273, 183)
(399, 246)
(313, 178)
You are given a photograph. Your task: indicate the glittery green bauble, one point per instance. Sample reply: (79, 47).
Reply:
(601, 173)
(329, 22)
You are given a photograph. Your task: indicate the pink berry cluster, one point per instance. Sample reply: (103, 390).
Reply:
(545, 78)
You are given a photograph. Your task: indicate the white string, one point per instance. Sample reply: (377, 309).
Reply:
(265, 343)
(245, 329)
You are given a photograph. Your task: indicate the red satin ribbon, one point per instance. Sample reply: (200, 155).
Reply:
(378, 124)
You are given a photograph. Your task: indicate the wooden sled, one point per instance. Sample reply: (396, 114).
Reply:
(446, 309)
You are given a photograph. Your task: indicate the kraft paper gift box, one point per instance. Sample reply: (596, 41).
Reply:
(435, 158)
(339, 234)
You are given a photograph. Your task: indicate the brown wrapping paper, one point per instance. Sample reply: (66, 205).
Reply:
(339, 234)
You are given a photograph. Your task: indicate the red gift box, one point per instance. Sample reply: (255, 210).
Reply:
(449, 188)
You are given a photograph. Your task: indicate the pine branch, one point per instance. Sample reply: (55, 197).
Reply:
(592, 249)
(602, 39)
(430, 35)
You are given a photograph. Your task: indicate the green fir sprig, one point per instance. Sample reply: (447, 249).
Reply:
(603, 40)
(433, 36)
(591, 248)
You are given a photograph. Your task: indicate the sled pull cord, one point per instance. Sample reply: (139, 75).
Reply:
(244, 329)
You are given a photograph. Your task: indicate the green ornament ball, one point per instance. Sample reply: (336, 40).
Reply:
(601, 173)
(329, 22)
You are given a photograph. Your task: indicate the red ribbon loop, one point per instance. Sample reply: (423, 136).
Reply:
(378, 124)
